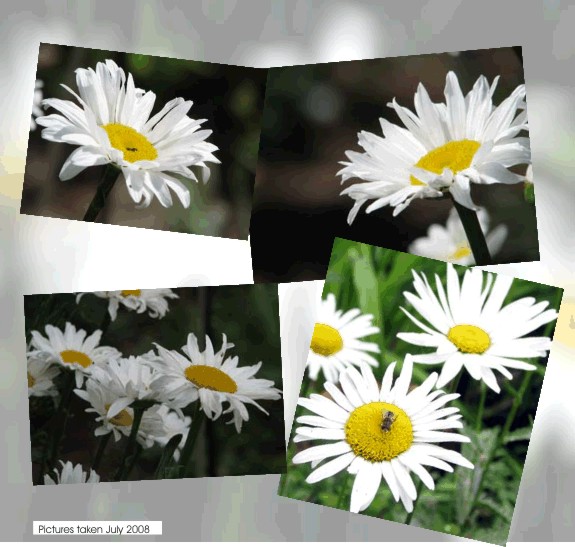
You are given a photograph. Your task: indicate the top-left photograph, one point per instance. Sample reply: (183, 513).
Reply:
(143, 141)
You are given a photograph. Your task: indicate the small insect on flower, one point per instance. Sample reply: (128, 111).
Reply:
(388, 419)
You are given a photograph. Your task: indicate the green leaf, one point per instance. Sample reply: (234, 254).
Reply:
(521, 434)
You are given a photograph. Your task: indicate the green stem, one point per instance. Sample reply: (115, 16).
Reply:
(61, 417)
(123, 470)
(186, 459)
(480, 410)
(341, 498)
(101, 448)
(167, 455)
(455, 382)
(410, 515)
(106, 184)
(516, 404)
(474, 234)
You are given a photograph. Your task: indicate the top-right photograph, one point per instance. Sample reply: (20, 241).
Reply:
(426, 154)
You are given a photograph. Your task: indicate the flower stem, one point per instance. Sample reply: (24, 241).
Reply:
(186, 456)
(474, 234)
(418, 492)
(130, 453)
(482, 397)
(167, 455)
(61, 417)
(341, 501)
(101, 448)
(106, 184)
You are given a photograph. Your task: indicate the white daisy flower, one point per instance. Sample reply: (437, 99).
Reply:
(101, 400)
(41, 374)
(127, 380)
(153, 301)
(468, 326)
(450, 244)
(113, 125)
(72, 349)
(72, 474)
(380, 432)
(442, 148)
(160, 424)
(37, 103)
(212, 378)
(336, 341)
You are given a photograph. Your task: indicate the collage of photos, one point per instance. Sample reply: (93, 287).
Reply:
(395, 180)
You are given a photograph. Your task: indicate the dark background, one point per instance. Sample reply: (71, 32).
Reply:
(229, 97)
(247, 314)
(312, 115)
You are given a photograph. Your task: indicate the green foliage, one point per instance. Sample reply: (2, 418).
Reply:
(475, 503)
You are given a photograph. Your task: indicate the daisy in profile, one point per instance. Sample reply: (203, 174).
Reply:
(152, 301)
(213, 378)
(337, 340)
(112, 125)
(442, 148)
(108, 417)
(72, 474)
(72, 349)
(449, 243)
(126, 380)
(160, 424)
(41, 376)
(37, 103)
(380, 432)
(468, 326)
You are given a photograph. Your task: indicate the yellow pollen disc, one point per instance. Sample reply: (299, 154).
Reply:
(136, 292)
(31, 380)
(75, 357)
(366, 437)
(456, 155)
(133, 144)
(326, 340)
(461, 252)
(469, 338)
(210, 378)
(123, 418)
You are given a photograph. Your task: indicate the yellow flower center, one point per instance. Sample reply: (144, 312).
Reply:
(375, 435)
(210, 378)
(462, 251)
(31, 380)
(326, 340)
(469, 338)
(134, 145)
(456, 155)
(76, 357)
(123, 418)
(136, 292)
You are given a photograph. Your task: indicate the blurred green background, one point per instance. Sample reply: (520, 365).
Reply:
(373, 279)
(247, 314)
(312, 115)
(229, 97)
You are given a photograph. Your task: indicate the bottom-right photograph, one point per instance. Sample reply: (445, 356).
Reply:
(420, 391)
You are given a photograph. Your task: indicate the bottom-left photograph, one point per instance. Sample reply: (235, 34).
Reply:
(146, 384)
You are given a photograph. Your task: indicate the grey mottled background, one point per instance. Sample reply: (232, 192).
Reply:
(49, 255)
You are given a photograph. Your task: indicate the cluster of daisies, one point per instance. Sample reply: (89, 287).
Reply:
(111, 123)
(443, 148)
(382, 429)
(168, 380)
